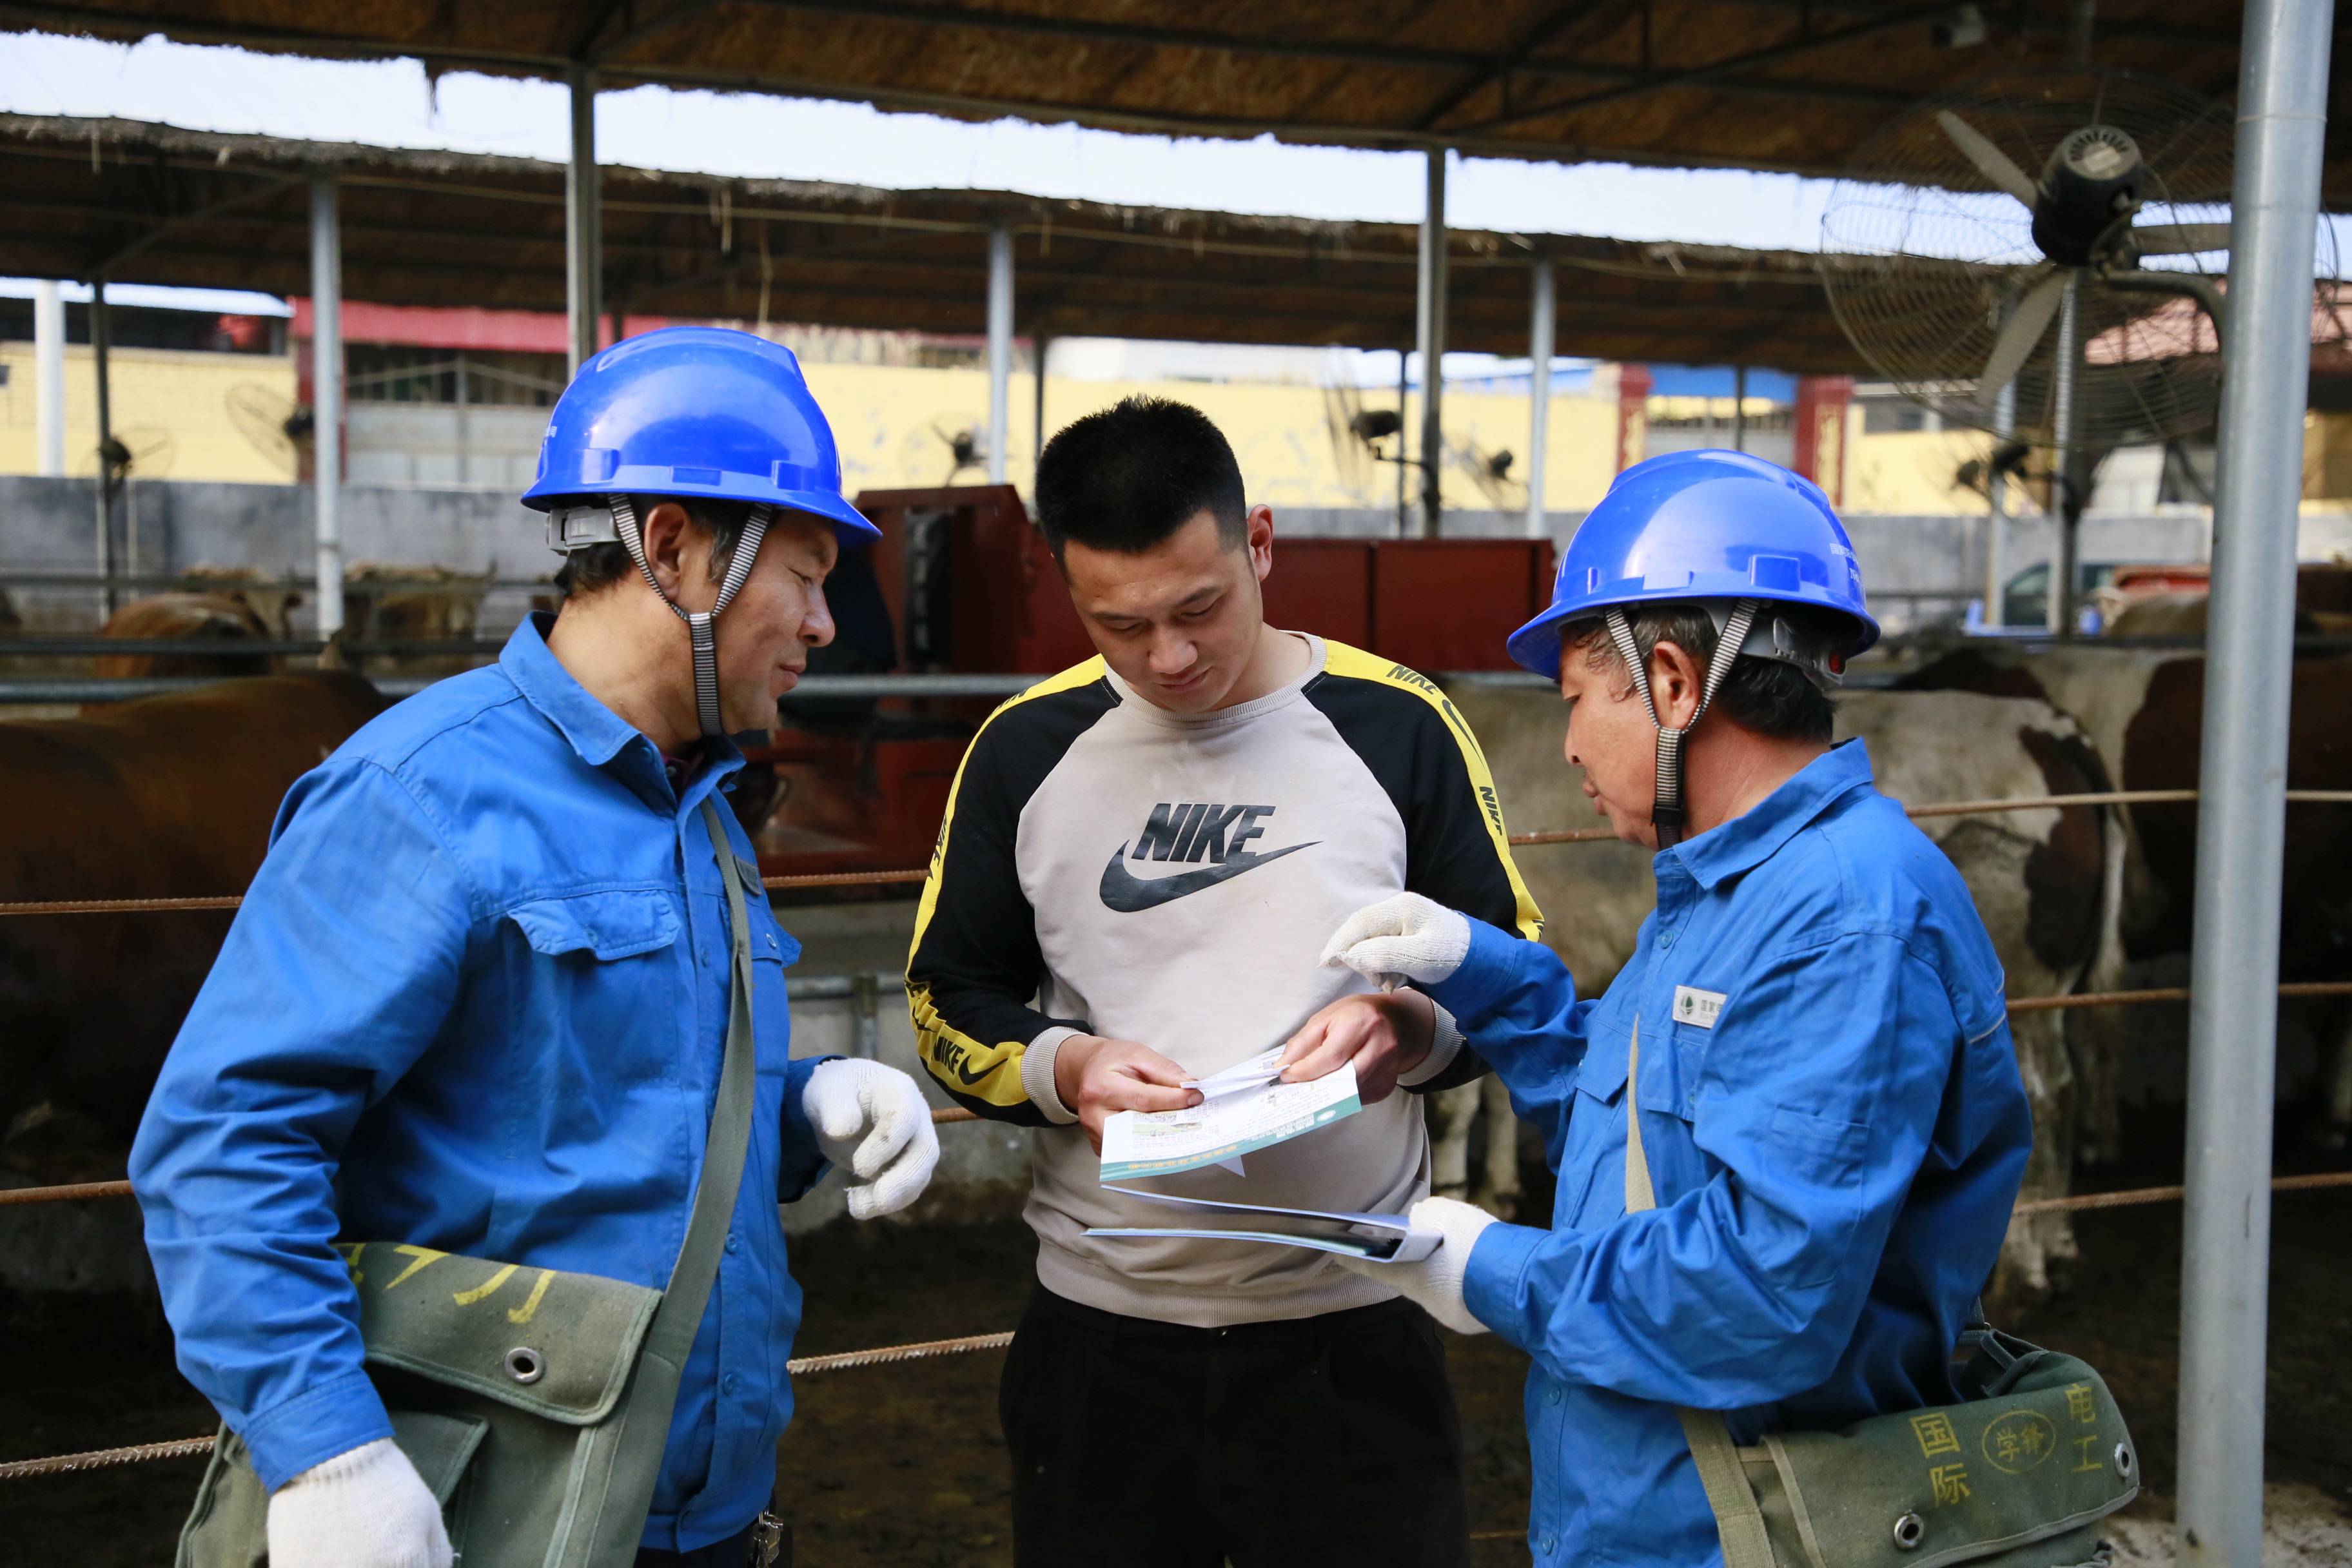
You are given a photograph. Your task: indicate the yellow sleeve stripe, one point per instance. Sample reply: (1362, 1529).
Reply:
(1341, 659)
(963, 1065)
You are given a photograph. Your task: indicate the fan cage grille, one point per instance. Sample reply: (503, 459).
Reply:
(1921, 275)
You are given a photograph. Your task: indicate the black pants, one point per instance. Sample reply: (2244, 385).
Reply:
(732, 1553)
(1144, 1445)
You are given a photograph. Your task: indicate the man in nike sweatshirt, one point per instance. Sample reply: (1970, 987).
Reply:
(1141, 858)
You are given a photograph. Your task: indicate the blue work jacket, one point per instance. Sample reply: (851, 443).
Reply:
(1835, 1130)
(477, 1000)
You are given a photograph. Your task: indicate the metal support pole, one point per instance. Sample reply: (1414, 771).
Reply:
(98, 358)
(1739, 409)
(866, 1016)
(2241, 821)
(1542, 336)
(465, 432)
(2004, 429)
(49, 379)
(1044, 347)
(327, 396)
(1430, 332)
(2060, 600)
(583, 222)
(999, 348)
(1405, 440)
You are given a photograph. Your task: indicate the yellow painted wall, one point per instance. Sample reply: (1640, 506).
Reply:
(1909, 472)
(891, 422)
(170, 406)
(888, 420)
(2326, 456)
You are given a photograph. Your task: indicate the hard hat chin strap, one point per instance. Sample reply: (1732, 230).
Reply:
(700, 624)
(1668, 811)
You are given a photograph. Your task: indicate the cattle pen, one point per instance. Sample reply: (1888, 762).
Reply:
(157, 1450)
(1794, 86)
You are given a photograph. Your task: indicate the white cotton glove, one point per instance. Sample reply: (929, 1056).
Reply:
(1407, 937)
(364, 1509)
(1434, 1284)
(873, 1122)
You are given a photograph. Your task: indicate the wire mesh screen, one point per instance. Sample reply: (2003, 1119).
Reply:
(1925, 277)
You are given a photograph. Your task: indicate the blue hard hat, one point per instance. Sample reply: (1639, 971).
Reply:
(695, 411)
(1704, 524)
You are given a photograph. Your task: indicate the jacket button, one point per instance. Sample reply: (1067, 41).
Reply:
(730, 1383)
(734, 1244)
(1552, 1395)
(1547, 1543)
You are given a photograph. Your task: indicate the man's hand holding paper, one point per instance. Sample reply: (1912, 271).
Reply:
(1382, 1034)
(1247, 1107)
(1098, 1078)
(1432, 1280)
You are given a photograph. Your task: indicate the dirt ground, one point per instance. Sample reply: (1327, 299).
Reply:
(902, 1465)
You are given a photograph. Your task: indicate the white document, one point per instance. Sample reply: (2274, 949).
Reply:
(1379, 1237)
(1245, 1108)
(1255, 1073)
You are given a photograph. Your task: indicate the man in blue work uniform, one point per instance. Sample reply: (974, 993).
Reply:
(1812, 1024)
(477, 997)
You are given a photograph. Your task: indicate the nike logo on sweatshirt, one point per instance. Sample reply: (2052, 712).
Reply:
(1126, 893)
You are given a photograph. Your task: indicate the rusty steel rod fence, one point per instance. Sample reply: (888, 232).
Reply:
(800, 1367)
(1517, 840)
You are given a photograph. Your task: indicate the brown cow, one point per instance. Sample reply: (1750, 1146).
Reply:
(2183, 615)
(225, 618)
(391, 602)
(2144, 710)
(168, 797)
(2042, 879)
(270, 597)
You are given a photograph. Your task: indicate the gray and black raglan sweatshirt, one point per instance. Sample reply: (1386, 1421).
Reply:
(1111, 868)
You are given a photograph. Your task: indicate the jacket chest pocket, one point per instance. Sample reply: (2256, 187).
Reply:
(1591, 1188)
(601, 995)
(1663, 1095)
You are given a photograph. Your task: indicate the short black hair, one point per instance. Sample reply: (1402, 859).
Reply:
(599, 566)
(1768, 696)
(1129, 477)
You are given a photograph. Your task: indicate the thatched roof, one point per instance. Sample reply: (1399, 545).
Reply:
(1770, 84)
(150, 204)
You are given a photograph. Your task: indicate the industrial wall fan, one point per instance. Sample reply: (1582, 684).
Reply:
(1491, 472)
(963, 442)
(270, 422)
(2041, 255)
(1358, 434)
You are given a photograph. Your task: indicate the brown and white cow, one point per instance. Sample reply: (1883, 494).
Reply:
(2144, 710)
(2042, 879)
(168, 797)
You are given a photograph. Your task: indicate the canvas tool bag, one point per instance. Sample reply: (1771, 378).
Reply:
(2016, 1475)
(534, 1403)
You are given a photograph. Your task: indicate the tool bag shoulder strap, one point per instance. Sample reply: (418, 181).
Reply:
(2016, 1475)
